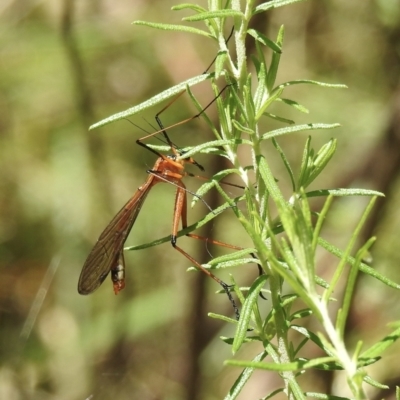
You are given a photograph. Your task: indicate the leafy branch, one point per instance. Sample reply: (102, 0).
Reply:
(285, 244)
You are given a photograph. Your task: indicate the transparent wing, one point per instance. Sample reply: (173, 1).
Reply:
(106, 254)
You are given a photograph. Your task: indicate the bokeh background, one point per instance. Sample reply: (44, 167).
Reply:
(66, 64)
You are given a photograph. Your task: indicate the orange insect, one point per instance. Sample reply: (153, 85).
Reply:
(107, 254)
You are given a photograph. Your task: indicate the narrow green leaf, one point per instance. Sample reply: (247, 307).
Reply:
(267, 101)
(295, 105)
(243, 378)
(319, 162)
(210, 216)
(363, 267)
(344, 192)
(278, 118)
(261, 94)
(324, 155)
(320, 221)
(264, 40)
(324, 396)
(322, 363)
(222, 317)
(247, 312)
(311, 336)
(377, 349)
(256, 63)
(295, 389)
(214, 14)
(248, 104)
(171, 27)
(343, 261)
(231, 262)
(234, 256)
(285, 162)
(305, 164)
(350, 286)
(276, 57)
(222, 56)
(269, 181)
(185, 6)
(311, 82)
(374, 383)
(229, 340)
(214, 143)
(203, 189)
(164, 95)
(242, 128)
(297, 128)
(300, 314)
(273, 4)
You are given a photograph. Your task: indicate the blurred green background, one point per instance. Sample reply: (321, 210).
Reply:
(67, 64)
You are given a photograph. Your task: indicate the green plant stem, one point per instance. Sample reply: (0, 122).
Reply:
(240, 36)
(283, 354)
(281, 327)
(339, 349)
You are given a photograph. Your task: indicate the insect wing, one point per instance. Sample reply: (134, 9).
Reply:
(106, 254)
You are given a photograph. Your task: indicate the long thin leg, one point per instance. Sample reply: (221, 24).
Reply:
(224, 285)
(163, 129)
(181, 93)
(180, 213)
